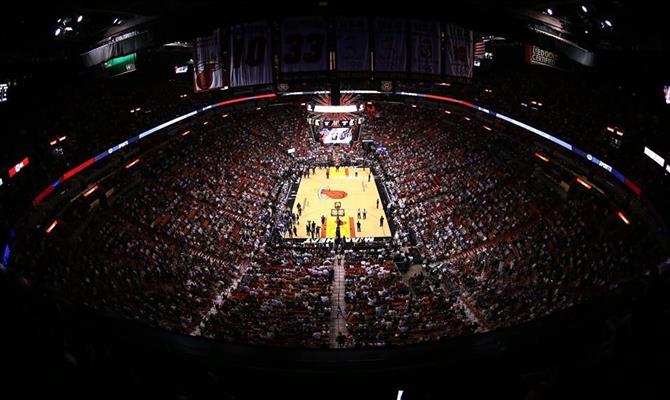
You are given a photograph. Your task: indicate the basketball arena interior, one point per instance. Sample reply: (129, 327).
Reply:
(335, 200)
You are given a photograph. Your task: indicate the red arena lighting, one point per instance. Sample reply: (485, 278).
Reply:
(541, 157)
(132, 163)
(52, 226)
(90, 190)
(584, 183)
(622, 216)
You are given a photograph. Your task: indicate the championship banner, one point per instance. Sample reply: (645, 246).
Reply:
(425, 47)
(251, 55)
(390, 41)
(208, 66)
(303, 45)
(459, 51)
(352, 44)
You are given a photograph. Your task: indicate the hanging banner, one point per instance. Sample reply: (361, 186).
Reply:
(250, 55)
(390, 40)
(303, 45)
(459, 51)
(352, 44)
(425, 47)
(208, 66)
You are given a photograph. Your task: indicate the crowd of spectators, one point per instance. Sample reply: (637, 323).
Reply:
(488, 230)
(192, 248)
(383, 309)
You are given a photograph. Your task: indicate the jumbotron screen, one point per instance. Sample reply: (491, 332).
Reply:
(335, 135)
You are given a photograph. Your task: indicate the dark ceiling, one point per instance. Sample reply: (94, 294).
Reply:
(27, 32)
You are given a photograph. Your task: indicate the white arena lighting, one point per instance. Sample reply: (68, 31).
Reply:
(654, 156)
(335, 109)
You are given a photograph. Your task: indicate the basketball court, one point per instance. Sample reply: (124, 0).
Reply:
(338, 194)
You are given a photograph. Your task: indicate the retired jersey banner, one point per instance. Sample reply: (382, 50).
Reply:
(459, 51)
(250, 54)
(208, 65)
(303, 45)
(353, 44)
(390, 40)
(425, 47)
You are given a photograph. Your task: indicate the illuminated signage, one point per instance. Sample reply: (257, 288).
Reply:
(651, 154)
(4, 88)
(181, 69)
(18, 167)
(538, 56)
(121, 65)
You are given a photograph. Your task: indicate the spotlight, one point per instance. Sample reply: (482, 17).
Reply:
(57, 32)
(585, 9)
(608, 23)
(550, 11)
(80, 18)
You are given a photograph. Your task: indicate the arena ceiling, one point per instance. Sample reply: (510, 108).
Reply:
(622, 28)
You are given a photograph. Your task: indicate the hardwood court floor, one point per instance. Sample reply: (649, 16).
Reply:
(349, 186)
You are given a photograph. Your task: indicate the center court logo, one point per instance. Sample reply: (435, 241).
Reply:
(325, 193)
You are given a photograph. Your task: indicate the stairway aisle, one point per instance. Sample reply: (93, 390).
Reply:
(338, 309)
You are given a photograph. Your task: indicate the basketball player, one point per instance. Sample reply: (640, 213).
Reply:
(381, 221)
(358, 226)
(377, 203)
(365, 213)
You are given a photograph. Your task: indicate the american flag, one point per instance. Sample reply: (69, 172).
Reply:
(480, 49)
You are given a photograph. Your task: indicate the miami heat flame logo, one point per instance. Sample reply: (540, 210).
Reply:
(325, 193)
(207, 75)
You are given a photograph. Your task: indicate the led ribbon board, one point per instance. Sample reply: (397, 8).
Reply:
(69, 174)
(505, 118)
